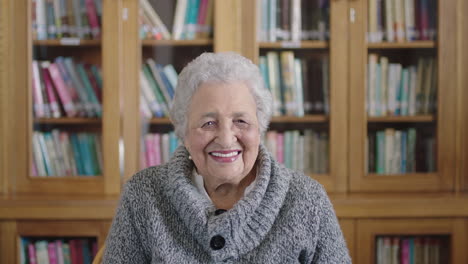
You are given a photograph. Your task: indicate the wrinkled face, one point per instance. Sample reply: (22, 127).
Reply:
(223, 135)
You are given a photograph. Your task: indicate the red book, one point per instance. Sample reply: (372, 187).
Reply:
(54, 106)
(32, 253)
(52, 251)
(93, 19)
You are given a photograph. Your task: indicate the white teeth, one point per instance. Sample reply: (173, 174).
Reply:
(232, 154)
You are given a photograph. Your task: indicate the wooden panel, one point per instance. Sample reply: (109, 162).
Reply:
(249, 29)
(463, 58)
(8, 242)
(4, 82)
(447, 85)
(348, 226)
(113, 69)
(357, 76)
(227, 26)
(131, 92)
(338, 95)
(367, 230)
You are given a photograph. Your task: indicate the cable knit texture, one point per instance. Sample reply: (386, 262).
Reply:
(286, 218)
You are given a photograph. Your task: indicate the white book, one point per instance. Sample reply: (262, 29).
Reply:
(41, 19)
(372, 24)
(393, 87)
(410, 24)
(389, 20)
(274, 81)
(37, 155)
(383, 85)
(155, 19)
(272, 22)
(371, 87)
(145, 110)
(61, 164)
(299, 88)
(171, 75)
(149, 95)
(296, 21)
(412, 91)
(179, 19)
(399, 21)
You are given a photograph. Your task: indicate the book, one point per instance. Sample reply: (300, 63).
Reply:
(42, 255)
(179, 19)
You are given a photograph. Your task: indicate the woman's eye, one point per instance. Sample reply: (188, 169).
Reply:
(208, 124)
(241, 122)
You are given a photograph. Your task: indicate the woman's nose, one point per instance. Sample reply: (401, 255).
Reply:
(226, 136)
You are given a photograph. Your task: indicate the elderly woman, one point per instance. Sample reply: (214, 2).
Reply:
(222, 197)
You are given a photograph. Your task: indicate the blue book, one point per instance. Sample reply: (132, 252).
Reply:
(83, 139)
(264, 71)
(411, 251)
(380, 151)
(165, 80)
(77, 153)
(404, 149)
(87, 259)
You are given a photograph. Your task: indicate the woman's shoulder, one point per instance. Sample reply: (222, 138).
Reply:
(304, 186)
(147, 179)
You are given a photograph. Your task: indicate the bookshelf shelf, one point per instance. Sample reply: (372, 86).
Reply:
(68, 121)
(304, 119)
(403, 45)
(68, 178)
(311, 44)
(402, 119)
(195, 42)
(402, 176)
(68, 42)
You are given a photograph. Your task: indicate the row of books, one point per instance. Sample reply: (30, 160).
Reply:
(57, 251)
(192, 20)
(306, 150)
(299, 85)
(401, 20)
(66, 88)
(392, 151)
(52, 19)
(58, 153)
(293, 20)
(157, 148)
(396, 90)
(409, 250)
(157, 84)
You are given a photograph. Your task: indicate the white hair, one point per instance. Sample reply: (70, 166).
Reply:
(227, 67)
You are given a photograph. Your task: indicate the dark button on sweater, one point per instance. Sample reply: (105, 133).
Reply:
(219, 211)
(217, 242)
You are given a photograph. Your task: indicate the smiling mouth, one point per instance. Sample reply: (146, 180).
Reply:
(225, 154)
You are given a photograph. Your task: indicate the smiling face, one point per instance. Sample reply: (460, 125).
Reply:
(223, 136)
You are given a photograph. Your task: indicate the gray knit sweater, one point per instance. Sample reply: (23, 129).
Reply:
(286, 218)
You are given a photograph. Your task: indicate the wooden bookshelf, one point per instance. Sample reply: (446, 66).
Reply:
(402, 119)
(368, 230)
(69, 120)
(443, 180)
(68, 42)
(307, 44)
(183, 43)
(403, 45)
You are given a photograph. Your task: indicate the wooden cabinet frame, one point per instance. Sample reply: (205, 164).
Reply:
(368, 229)
(441, 181)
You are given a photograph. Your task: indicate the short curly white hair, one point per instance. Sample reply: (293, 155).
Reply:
(224, 67)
